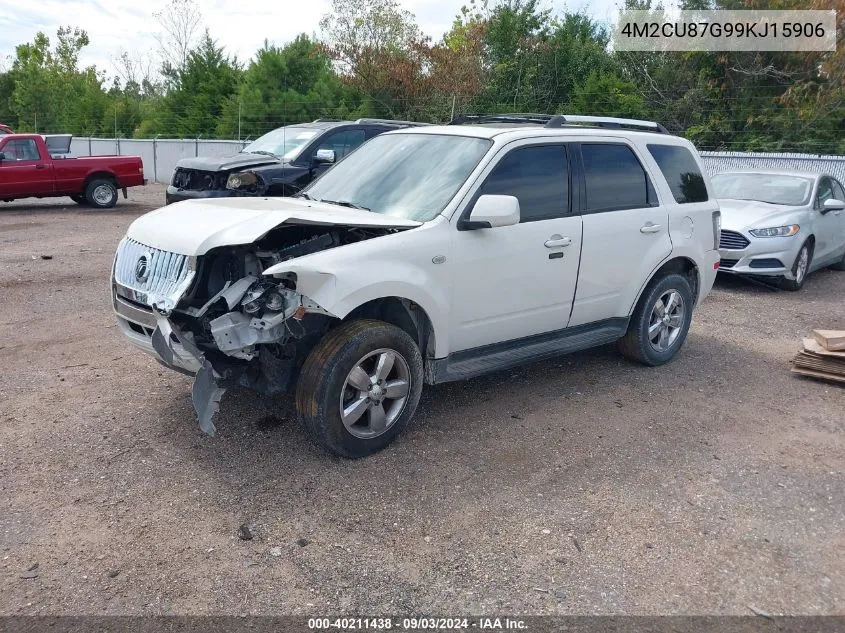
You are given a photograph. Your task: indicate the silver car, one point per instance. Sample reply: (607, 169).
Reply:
(782, 225)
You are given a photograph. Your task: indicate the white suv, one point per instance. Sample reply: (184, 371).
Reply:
(427, 255)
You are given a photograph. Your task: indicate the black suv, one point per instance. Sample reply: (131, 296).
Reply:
(280, 163)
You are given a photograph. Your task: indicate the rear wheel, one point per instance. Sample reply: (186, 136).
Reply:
(359, 387)
(101, 193)
(660, 323)
(800, 268)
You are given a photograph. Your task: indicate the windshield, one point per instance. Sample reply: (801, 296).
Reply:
(771, 188)
(412, 176)
(286, 142)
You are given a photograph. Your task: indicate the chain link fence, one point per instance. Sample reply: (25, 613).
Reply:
(161, 155)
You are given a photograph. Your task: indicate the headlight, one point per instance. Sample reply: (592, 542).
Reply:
(241, 180)
(776, 231)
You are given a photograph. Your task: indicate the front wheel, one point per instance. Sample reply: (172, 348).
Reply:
(359, 387)
(660, 323)
(101, 193)
(800, 268)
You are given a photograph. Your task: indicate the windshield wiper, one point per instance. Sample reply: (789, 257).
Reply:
(346, 203)
(261, 151)
(302, 194)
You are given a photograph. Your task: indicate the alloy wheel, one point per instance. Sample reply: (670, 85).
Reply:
(666, 321)
(374, 393)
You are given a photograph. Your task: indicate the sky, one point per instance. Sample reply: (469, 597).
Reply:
(241, 26)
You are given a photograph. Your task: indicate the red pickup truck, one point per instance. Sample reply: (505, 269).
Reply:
(37, 166)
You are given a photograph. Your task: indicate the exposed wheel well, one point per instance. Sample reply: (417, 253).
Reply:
(404, 314)
(682, 265)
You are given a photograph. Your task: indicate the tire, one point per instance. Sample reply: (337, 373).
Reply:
(101, 193)
(80, 200)
(655, 350)
(325, 385)
(798, 282)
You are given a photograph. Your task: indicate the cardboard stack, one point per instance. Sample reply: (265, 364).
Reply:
(823, 356)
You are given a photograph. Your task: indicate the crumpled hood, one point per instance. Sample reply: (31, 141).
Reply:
(225, 163)
(739, 215)
(194, 227)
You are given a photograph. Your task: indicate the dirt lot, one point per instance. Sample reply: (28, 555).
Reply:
(580, 485)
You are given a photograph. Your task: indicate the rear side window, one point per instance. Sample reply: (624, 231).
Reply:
(615, 178)
(538, 177)
(21, 149)
(681, 172)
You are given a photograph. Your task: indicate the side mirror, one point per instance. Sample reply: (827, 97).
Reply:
(832, 204)
(324, 156)
(491, 211)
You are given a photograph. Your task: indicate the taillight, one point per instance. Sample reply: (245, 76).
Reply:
(717, 229)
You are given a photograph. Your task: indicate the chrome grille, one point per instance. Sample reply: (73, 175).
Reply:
(733, 241)
(161, 276)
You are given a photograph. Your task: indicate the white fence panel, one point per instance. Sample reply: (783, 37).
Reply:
(718, 162)
(161, 155)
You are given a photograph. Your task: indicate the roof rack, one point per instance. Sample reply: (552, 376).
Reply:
(510, 117)
(560, 120)
(392, 122)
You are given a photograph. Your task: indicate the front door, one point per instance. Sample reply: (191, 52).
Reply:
(828, 226)
(515, 281)
(23, 171)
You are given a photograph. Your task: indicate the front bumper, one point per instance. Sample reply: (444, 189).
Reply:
(156, 335)
(138, 323)
(764, 256)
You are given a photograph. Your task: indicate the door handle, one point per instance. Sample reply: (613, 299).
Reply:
(556, 240)
(40, 166)
(650, 228)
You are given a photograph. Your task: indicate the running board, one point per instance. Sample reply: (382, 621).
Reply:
(490, 358)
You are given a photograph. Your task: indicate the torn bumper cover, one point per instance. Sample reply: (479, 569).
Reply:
(236, 334)
(207, 391)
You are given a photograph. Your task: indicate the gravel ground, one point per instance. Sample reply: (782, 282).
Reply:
(580, 485)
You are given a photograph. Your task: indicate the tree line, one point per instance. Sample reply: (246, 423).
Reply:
(371, 59)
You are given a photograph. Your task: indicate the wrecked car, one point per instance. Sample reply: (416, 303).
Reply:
(427, 255)
(280, 163)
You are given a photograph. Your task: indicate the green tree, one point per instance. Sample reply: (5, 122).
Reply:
(285, 85)
(194, 104)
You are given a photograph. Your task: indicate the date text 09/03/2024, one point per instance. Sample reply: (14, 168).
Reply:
(416, 624)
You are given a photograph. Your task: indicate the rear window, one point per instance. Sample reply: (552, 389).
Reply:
(681, 172)
(615, 178)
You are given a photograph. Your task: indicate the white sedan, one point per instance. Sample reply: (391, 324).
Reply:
(782, 225)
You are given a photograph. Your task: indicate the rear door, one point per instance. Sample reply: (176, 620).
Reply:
(626, 232)
(24, 171)
(511, 282)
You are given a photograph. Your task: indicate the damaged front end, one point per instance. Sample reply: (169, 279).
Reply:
(219, 318)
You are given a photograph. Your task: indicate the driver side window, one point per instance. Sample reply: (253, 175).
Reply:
(825, 192)
(20, 150)
(342, 142)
